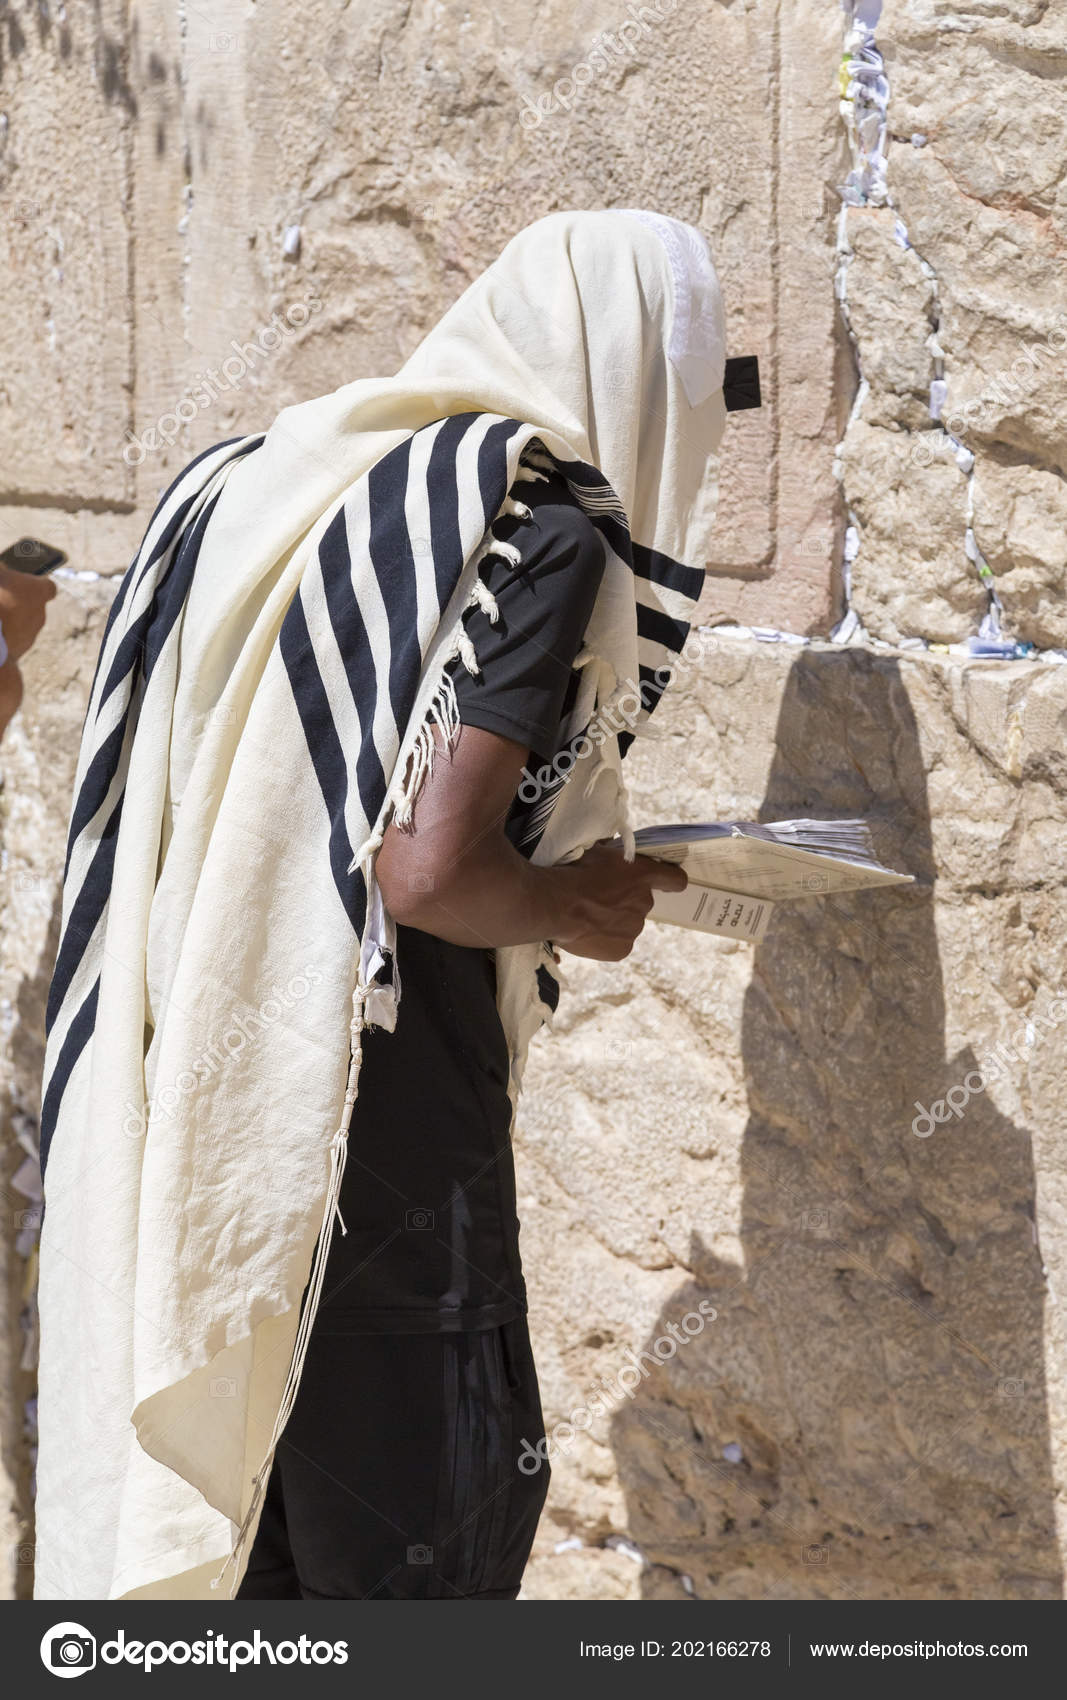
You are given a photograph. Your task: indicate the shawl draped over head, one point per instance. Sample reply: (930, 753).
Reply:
(275, 665)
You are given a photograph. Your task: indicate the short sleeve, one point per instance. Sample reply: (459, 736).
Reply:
(544, 606)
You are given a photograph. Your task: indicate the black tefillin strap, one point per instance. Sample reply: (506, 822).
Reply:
(740, 386)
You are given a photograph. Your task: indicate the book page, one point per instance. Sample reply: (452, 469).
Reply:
(777, 872)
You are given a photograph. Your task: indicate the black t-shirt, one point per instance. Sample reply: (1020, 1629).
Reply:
(544, 606)
(428, 1196)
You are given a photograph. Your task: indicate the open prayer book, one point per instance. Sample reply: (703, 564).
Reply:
(739, 870)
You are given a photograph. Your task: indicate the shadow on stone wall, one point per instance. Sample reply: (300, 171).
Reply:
(866, 1415)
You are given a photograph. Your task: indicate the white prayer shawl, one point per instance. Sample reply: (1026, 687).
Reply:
(248, 737)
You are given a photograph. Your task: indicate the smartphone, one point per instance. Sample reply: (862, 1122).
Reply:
(30, 555)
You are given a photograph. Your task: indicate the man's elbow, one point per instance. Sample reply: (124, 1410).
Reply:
(414, 894)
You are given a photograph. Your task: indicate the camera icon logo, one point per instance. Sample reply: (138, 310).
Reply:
(68, 1649)
(420, 1554)
(419, 1221)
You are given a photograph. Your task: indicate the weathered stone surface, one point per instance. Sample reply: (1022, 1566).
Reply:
(875, 1408)
(1020, 521)
(983, 198)
(891, 307)
(64, 257)
(911, 577)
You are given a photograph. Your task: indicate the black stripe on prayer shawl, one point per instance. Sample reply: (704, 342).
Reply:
(104, 764)
(672, 575)
(169, 600)
(653, 623)
(78, 1036)
(132, 578)
(442, 488)
(173, 554)
(168, 534)
(97, 782)
(357, 657)
(393, 559)
(492, 448)
(136, 657)
(327, 755)
(85, 912)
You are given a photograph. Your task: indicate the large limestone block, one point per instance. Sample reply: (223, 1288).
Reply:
(891, 309)
(911, 577)
(876, 1406)
(1020, 522)
(975, 172)
(66, 346)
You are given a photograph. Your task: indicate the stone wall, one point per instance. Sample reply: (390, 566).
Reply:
(208, 213)
(877, 1407)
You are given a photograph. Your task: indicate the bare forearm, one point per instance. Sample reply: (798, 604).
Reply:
(492, 896)
(454, 873)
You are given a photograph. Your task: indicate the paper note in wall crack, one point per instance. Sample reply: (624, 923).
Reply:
(706, 910)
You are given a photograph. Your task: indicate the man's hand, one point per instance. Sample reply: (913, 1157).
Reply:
(23, 600)
(611, 901)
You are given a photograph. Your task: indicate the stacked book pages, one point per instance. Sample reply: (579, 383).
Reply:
(738, 870)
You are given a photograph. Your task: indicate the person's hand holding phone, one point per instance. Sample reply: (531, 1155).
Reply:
(24, 598)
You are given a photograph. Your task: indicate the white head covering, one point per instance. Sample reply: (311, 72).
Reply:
(606, 328)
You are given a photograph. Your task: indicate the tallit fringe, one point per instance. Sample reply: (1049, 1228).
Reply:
(443, 712)
(331, 1209)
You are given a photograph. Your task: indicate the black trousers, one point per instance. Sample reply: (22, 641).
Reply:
(409, 1468)
(400, 1474)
